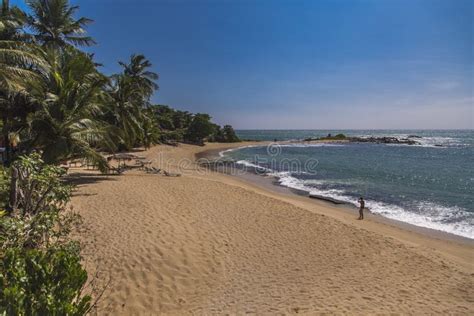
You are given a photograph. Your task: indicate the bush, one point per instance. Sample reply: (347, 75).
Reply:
(224, 135)
(37, 218)
(229, 134)
(43, 230)
(38, 186)
(42, 282)
(4, 188)
(340, 136)
(168, 136)
(40, 268)
(330, 137)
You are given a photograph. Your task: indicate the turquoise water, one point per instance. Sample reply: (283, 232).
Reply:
(429, 185)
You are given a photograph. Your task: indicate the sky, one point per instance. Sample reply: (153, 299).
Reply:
(321, 64)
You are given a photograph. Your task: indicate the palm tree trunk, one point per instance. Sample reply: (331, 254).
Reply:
(5, 6)
(13, 200)
(6, 138)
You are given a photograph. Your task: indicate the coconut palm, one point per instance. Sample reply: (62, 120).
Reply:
(66, 125)
(19, 59)
(20, 65)
(54, 23)
(144, 79)
(130, 92)
(151, 129)
(125, 110)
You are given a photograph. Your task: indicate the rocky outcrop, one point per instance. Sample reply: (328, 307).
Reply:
(383, 140)
(378, 140)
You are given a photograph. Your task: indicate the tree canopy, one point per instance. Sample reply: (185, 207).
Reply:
(54, 99)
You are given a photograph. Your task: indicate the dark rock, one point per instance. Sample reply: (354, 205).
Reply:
(382, 140)
(327, 199)
(377, 140)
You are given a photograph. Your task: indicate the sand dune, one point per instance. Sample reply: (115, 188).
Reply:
(212, 244)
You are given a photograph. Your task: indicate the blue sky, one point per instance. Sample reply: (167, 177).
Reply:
(300, 64)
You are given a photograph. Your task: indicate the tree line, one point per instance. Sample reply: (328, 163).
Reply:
(54, 99)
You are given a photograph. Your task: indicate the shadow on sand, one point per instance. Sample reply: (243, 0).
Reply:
(78, 179)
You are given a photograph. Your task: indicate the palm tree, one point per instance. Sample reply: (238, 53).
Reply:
(151, 129)
(144, 79)
(54, 23)
(130, 92)
(20, 64)
(124, 110)
(18, 57)
(66, 126)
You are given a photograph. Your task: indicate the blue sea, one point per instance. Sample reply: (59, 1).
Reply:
(429, 185)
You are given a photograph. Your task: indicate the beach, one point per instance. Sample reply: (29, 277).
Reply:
(210, 243)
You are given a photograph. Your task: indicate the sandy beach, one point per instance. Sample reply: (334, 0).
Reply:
(208, 243)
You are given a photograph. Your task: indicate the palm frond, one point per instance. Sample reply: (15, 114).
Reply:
(54, 23)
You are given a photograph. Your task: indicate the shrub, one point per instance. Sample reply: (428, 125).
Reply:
(38, 186)
(168, 136)
(37, 218)
(43, 230)
(330, 137)
(229, 134)
(224, 135)
(4, 188)
(40, 269)
(42, 282)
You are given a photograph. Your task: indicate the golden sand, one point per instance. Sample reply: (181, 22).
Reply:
(208, 243)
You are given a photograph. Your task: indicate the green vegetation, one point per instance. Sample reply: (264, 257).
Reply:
(36, 199)
(54, 99)
(336, 137)
(225, 135)
(199, 128)
(42, 282)
(40, 269)
(182, 126)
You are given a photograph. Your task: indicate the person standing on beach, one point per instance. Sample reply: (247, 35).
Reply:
(361, 209)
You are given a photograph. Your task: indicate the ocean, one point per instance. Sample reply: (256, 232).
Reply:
(429, 185)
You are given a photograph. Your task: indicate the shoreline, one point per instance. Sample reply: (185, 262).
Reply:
(209, 243)
(269, 183)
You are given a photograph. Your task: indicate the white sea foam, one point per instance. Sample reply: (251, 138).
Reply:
(222, 153)
(431, 215)
(439, 142)
(252, 165)
(301, 145)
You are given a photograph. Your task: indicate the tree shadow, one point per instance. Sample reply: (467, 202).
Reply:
(79, 179)
(137, 150)
(75, 193)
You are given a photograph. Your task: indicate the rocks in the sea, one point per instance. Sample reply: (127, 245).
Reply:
(327, 199)
(329, 137)
(371, 139)
(383, 140)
